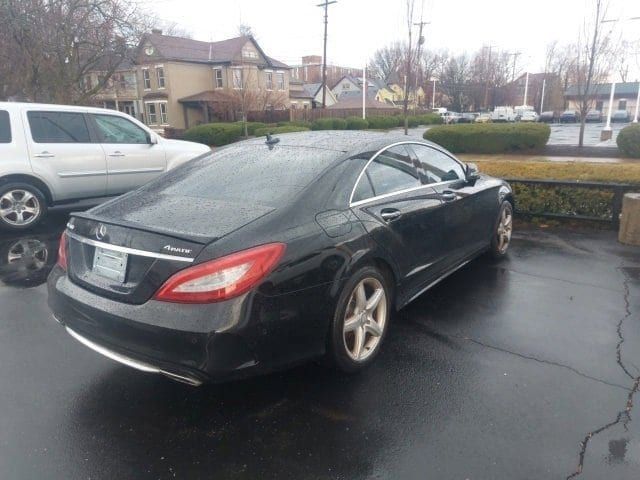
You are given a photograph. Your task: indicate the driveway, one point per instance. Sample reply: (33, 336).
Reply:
(525, 368)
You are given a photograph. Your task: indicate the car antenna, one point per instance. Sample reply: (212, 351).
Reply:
(271, 141)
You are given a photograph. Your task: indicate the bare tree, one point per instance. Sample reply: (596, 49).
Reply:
(387, 60)
(245, 30)
(454, 78)
(592, 61)
(51, 45)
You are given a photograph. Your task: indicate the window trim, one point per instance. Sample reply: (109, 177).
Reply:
(144, 80)
(406, 190)
(160, 68)
(233, 80)
(215, 78)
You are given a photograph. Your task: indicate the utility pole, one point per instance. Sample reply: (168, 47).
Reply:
(325, 5)
(486, 90)
(515, 56)
(420, 24)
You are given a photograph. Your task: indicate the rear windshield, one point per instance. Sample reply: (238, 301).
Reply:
(248, 173)
(5, 127)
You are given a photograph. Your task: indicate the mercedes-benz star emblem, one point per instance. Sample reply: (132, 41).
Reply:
(101, 231)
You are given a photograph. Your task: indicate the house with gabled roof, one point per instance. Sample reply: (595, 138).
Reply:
(183, 82)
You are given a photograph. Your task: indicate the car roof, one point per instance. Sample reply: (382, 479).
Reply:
(51, 106)
(349, 143)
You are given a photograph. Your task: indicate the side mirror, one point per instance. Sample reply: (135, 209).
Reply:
(472, 172)
(152, 139)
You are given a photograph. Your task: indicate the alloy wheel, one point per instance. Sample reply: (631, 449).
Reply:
(19, 207)
(365, 319)
(505, 227)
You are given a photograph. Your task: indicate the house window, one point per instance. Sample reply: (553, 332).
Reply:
(218, 77)
(280, 79)
(269, 81)
(152, 118)
(164, 118)
(622, 105)
(146, 79)
(294, 105)
(345, 86)
(237, 78)
(160, 76)
(249, 53)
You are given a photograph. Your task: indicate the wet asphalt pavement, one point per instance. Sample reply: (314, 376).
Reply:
(523, 369)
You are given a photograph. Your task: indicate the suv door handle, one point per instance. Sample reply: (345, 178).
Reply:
(43, 155)
(116, 154)
(448, 196)
(389, 214)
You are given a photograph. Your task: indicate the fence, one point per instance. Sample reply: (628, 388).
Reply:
(590, 201)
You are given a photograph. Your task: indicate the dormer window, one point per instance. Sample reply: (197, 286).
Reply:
(249, 53)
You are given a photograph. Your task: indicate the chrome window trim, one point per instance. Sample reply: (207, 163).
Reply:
(132, 251)
(406, 190)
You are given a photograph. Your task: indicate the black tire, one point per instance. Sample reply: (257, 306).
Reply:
(498, 247)
(10, 223)
(338, 355)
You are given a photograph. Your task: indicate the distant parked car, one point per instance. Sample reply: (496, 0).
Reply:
(529, 116)
(467, 118)
(483, 118)
(593, 116)
(52, 154)
(569, 116)
(547, 117)
(503, 114)
(451, 117)
(620, 116)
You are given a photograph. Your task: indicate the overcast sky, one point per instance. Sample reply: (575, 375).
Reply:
(289, 29)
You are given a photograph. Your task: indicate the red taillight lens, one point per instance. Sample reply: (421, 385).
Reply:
(62, 252)
(222, 278)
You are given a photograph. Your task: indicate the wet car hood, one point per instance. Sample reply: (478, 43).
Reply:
(196, 219)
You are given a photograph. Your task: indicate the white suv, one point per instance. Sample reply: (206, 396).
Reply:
(56, 154)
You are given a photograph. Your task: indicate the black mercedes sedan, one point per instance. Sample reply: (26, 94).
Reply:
(268, 253)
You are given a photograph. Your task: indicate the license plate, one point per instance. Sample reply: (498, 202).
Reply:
(110, 264)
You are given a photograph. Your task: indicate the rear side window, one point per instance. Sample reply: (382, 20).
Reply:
(58, 127)
(114, 129)
(5, 127)
(391, 171)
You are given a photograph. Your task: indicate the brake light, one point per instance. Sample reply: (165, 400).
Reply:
(62, 252)
(222, 278)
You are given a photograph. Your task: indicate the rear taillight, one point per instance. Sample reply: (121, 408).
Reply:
(62, 252)
(222, 278)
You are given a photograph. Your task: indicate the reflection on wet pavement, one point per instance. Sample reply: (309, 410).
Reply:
(27, 258)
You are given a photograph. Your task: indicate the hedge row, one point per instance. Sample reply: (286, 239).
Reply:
(490, 137)
(259, 132)
(215, 134)
(629, 140)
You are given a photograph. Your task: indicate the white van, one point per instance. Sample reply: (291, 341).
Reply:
(56, 154)
(503, 114)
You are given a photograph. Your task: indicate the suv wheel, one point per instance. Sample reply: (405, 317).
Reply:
(22, 206)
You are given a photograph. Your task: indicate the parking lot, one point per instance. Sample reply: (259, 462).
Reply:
(501, 371)
(565, 133)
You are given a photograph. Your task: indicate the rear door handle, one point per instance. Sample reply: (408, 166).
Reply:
(389, 214)
(116, 154)
(448, 196)
(44, 155)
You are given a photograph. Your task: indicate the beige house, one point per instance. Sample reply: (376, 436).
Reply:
(183, 82)
(120, 91)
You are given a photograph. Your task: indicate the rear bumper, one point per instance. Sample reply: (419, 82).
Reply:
(193, 343)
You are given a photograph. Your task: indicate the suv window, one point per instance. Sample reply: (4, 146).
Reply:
(5, 127)
(391, 171)
(58, 127)
(436, 166)
(114, 129)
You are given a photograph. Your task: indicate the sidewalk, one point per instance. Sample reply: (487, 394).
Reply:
(470, 157)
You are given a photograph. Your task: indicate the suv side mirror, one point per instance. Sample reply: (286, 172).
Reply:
(152, 139)
(472, 172)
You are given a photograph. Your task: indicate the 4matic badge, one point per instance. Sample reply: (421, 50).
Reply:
(171, 249)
